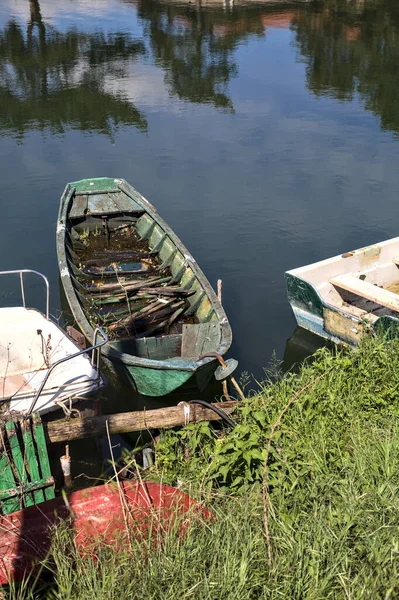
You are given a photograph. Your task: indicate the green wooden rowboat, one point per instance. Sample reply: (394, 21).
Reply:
(123, 268)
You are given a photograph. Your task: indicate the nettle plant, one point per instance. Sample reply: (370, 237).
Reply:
(227, 458)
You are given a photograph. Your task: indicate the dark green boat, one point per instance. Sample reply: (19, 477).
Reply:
(123, 268)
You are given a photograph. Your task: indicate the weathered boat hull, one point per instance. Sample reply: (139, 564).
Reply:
(104, 514)
(348, 296)
(158, 382)
(42, 369)
(153, 365)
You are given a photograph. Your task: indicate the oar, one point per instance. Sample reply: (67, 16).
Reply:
(127, 286)
(149, 309)
(170, 291)
(163, 323)
(108, 262)
(178, 313)
(103, 273)
(124, 253)
(138, 322)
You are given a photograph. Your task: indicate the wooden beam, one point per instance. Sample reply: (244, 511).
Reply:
(367, 290)
(65, 430)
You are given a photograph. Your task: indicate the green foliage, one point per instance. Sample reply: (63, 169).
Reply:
(84, 237)
(333, 509)
(191, 446)
(334, 538)
(357, 389)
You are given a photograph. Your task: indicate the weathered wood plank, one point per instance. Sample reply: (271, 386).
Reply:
(159, 348)
(7, 481)
(64, 430)
(189, 340)
(203, 334)
(39, 435)
(18, 459)
(168, 346)
(32, 459)
(101, 204)
(211, 340)
(150, 345)
(145, 227)
(196, 300)
(367, 290)
(144, 347)
(111, 203)
(79, 207)
(126, 204)
(204, 310)
(199, 338)
(343, 326)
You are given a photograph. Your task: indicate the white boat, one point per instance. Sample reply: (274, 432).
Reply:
(41, 368)
(350, 295)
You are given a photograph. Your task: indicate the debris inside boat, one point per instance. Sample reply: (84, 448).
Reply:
(130, 292)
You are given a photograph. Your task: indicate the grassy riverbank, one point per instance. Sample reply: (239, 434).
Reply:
(328, 497)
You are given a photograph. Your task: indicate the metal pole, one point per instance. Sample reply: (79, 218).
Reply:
(21, 277)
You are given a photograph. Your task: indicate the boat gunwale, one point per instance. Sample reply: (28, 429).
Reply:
(343, 256)
(175, 363)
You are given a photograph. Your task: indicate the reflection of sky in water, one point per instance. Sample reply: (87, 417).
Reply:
(282, 179)
(89, 15)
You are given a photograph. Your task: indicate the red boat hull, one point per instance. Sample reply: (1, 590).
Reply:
(98, 514)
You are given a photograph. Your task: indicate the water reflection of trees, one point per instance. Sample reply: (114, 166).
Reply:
(59, 80)
(195, 46)
(55, 80)
(353, 48)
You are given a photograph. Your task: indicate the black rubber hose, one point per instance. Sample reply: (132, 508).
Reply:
(215, 409)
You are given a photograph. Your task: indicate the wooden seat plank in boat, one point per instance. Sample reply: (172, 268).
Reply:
(126, 204)
(101, 204)
(357, 286)
(79, 207)
(198, 339)
(108, 204)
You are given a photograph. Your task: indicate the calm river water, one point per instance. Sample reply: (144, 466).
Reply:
(265, 133)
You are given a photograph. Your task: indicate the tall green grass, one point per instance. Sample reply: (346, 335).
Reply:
(333, 502)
